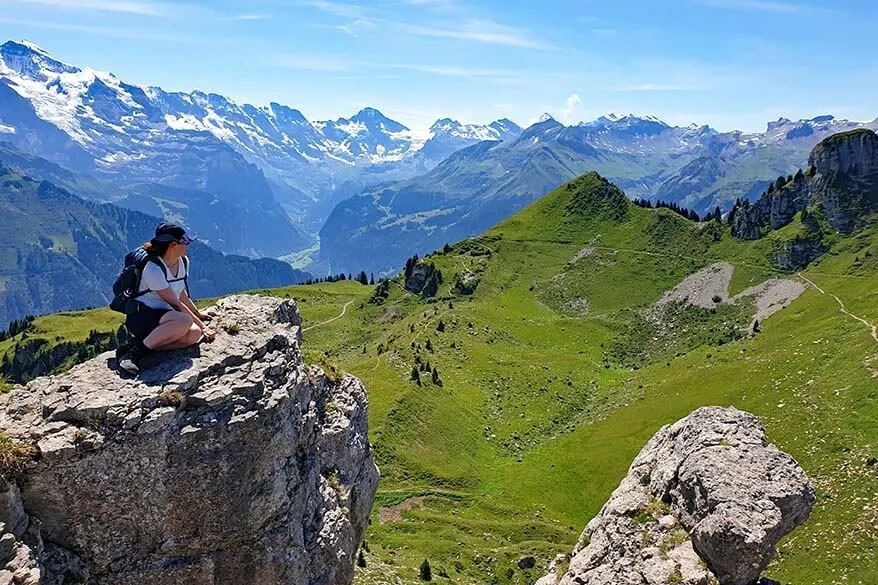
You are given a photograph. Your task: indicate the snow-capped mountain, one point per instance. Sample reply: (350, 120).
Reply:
(95, 122)
(478, 186)
(448, 136)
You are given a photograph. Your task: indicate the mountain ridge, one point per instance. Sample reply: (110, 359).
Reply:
(479, 185)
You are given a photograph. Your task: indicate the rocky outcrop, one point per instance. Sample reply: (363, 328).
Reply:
(230, 463)
(797, 253)
(705, 502)
(772, 211)
(842, 180)
(423, 278)
(845, 181)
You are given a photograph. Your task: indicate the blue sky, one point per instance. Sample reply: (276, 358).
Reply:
(733, 64)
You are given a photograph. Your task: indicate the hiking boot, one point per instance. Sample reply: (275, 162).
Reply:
(122, 350)
(130, 361)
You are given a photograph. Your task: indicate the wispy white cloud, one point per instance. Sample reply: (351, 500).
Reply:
(140, 7)
(377, 76)
(573, 101)
(140, 34)
(765, 6)
(252, 17)
(472, 29)
(478, 30)
(638, 87)
(339, 9)
(356, 27)
(443, 5)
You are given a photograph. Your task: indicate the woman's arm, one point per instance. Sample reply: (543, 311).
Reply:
(184, 298)
(180, 305)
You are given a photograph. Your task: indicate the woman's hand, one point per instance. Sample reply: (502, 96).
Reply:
(207, 334)
(206, 316)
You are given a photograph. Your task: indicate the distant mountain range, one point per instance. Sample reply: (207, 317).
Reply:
(94, 122)
(267, 181)
(478, 186)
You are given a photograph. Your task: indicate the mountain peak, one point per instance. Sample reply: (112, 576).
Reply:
(24, 44)
(30, 60)
(286, 113)
(373, 117)
(368, 114)
(444, 124)
(547, 117)
(626, 120)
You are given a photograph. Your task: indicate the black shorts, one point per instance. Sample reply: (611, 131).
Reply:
(143, 322)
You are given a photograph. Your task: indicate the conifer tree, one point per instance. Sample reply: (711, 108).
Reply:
(425, 573)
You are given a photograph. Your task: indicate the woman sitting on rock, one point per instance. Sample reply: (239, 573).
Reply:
(167, 319)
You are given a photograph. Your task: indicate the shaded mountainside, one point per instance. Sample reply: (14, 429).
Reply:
(507, 405)
(244, 226)
(483, 184)
(61, 252)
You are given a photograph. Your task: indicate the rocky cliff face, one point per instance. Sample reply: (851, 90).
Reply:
(842, 180)
(704, 502)
(231, 463)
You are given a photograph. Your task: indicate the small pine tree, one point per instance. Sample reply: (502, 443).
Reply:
(429, 345)
(756, 326)
(371, 279)
(416, 375)
(441, 326)
(436, 379)
(425, 573)
(361, 560)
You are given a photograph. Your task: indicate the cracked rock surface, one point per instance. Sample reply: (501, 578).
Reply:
(230, 463)
(705, 502)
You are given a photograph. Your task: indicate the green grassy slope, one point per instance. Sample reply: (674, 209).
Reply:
(536, 422)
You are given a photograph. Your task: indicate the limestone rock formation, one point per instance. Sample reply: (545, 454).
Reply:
(842, 180)
(705, 502)
(232, 463)
(423, 279)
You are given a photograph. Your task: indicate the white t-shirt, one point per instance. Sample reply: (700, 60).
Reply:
(154, 280)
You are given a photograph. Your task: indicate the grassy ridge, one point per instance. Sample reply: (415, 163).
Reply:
(533, 426)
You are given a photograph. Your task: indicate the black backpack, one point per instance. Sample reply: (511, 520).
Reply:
(126, 289)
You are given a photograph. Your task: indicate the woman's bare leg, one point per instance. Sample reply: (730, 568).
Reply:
(173, 326)
(192, 337)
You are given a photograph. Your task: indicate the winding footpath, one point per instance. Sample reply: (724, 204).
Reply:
(336, 318)
(873, 329)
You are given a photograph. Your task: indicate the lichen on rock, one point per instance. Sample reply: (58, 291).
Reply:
(705, 502)
(233, 462)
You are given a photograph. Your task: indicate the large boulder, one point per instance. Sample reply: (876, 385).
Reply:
(231, 463)
(705, 502)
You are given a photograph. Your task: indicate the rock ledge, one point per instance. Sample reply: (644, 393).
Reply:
(231, 463)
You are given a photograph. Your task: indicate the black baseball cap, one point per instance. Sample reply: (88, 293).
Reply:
(171, 232)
